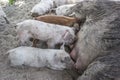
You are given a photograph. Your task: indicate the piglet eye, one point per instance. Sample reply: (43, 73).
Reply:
(67, 59)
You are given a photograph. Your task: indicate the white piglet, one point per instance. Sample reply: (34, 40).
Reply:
(36, 57)
(51, 33)
(61, 10)
(46, 5)
(63, 2)
(41, 8)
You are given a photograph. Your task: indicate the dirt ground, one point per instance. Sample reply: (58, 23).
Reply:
(16, 13)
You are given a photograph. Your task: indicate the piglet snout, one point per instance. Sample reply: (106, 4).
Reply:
(72, 41)
(69, 62)
(70, 65)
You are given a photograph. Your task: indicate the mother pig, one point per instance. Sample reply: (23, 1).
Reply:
(100, 32)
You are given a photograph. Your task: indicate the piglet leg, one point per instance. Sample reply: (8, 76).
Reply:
(63, 46)
(51, 44)
(34, 42)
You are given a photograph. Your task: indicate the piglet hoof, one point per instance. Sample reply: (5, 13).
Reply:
(63, 46)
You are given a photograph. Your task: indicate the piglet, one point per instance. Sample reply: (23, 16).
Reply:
(61, 20)
(62, 10)
(34, 57)
(41, 8)
(50, 33)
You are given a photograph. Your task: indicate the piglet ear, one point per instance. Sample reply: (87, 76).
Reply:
(66, 34)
